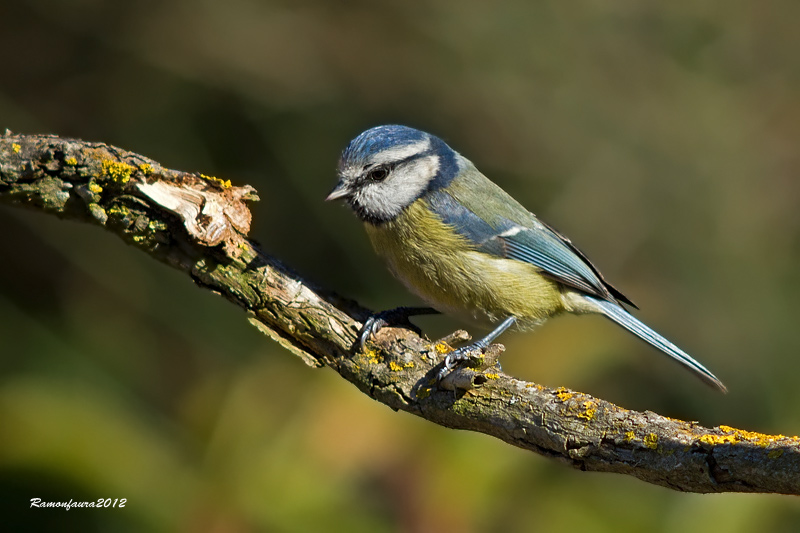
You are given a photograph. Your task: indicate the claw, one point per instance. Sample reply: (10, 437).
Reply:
(464, 353)
(372, 326)
(393, 317)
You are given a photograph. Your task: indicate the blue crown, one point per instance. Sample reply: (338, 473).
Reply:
(379, 138)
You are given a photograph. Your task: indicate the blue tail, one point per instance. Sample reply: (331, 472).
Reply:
(619, 315)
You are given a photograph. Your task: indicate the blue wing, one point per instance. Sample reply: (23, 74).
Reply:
(539, 245)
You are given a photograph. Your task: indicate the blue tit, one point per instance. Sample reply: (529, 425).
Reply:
(467, 248)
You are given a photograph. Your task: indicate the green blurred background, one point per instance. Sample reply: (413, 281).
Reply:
(661, 137)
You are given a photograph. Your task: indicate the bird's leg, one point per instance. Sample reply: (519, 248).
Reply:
(393, 317)
(463, 353)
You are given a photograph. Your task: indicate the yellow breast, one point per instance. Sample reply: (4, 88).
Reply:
(444, 269)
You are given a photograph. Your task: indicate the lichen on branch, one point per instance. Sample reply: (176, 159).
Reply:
(200, 224)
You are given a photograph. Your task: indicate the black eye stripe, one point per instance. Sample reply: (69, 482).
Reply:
(378, 172)
(367, 170)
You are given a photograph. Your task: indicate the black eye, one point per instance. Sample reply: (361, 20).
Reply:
(378, 173)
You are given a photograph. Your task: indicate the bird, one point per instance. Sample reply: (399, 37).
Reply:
(467, 248)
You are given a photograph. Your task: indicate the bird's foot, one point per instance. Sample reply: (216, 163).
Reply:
(476, 349)
(465, 353)
(393, 317)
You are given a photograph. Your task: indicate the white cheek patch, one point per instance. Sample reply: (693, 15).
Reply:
(401, 152)
(408, 181)
(385, 200)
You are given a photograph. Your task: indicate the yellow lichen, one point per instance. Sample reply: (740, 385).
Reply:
(118, 171)
(492, 376)
(423, 393)
(651, 441)
(774, 454)
(534, 385)
(630, 436)
(563, 394)
(372, 356)
(442, 348)
(395, 367)
(714, 440)
(734, 435)
(117, 210)
(71, 161)
(224, 184)
(95, 188)
(590, 408)
(16, 148)
(156, 225)
(477, 360)
(146, 169)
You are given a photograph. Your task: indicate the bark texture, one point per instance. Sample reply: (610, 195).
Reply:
(199, 224)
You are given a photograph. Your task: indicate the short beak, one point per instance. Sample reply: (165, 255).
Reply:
(340, 191)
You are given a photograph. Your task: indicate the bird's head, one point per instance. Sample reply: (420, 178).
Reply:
(387, 168)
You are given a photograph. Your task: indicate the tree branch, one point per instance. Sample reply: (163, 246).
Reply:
(199, 225)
